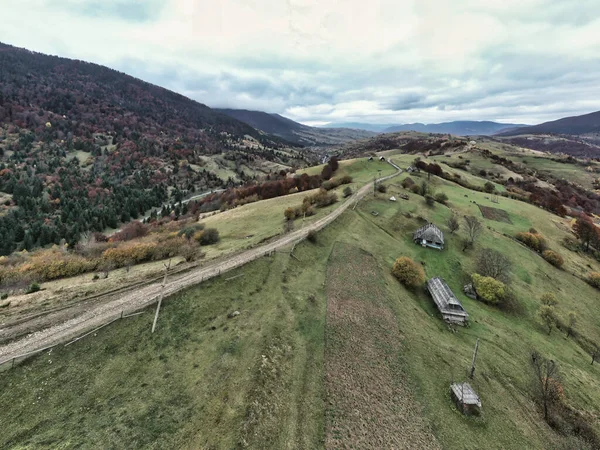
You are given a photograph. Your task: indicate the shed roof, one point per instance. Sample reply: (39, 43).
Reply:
(444, 298)
(466, 394)
(429, 232)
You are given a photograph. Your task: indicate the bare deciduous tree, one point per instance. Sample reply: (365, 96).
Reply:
(473, 228)
(547, 381)
(492, 263)
(453, 223)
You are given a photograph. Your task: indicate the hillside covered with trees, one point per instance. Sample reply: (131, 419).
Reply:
(84, 148)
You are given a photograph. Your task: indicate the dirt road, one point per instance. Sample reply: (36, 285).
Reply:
(130, 302)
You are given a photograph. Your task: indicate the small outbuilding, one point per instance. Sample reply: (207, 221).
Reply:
(392, 199)
(429, 236)
(381, 158)
(447, 303)
(467, 400)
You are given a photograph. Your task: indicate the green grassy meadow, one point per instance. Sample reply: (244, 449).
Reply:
(264, 379)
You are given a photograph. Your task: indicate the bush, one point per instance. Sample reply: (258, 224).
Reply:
(312, 236)
(489, 289)
(347, 191)
(534, 241)
(553, 258)
(33, 287)
(440, 197)
(4, 296)
(407, 183)
(382, 188)
(321, 199)
(210, 236)
(429, 200)
(124, 254)
(333, 183)
(594, 279)
(408, 272)
(415, 189)
(489, 187)
(289, 213)
(549, 299)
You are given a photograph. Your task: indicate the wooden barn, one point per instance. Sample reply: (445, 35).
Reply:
(467, 400)
(429, 236)
(445, 300)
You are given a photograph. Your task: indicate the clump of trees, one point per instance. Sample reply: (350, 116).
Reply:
(320, 199)
(408, 272)
(209, 236)
(335, 182)
(330, 168)
(132, 230)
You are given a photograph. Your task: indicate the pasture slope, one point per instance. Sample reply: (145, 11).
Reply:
(130, 302)
(328, 350)
(368, 403)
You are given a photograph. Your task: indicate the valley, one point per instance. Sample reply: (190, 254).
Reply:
(176, 275)
(274, 369)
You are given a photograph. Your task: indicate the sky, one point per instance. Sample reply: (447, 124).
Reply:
(331, 61)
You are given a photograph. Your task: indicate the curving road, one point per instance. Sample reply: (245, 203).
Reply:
(134, 301)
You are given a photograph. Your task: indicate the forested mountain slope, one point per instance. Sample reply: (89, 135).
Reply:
(84, 147)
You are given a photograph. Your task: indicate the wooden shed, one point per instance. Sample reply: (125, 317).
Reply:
(447, 303)
(429, 236)
(467, 400)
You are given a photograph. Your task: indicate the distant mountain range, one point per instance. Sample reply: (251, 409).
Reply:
(376, 128)
(459, 128)
(574, 125)
(295, 132)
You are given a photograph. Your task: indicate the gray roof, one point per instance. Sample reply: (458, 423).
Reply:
(429, 232)
(466, 394)
(445, 300)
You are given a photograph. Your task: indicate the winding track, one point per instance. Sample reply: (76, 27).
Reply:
(134, 301)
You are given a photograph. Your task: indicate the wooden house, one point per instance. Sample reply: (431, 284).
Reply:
(467, 400)
(447, 303)
(429, 236)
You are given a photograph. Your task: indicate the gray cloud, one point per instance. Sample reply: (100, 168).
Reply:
(135, 11)
(392, 61)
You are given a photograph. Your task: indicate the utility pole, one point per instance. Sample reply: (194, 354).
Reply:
(474, 359)
(162, 293)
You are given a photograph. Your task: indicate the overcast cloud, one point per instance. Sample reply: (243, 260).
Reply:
(377, 61)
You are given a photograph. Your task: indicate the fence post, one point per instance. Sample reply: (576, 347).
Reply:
(122, 314)
(13, 363)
